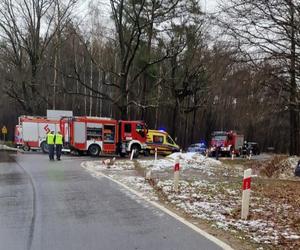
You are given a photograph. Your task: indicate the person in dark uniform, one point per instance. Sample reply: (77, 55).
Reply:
(50, 142)
(218, 150)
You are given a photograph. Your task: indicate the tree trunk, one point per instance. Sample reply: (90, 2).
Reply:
(91, 82)
(193, 127)
(124, 97)
(175, 122)
(294, 114)
(85, 90)
(54, 80)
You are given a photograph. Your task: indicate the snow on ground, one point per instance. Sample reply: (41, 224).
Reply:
(122, 171)
(280, 167)
(187, 160)
(117, 165)
(221, 206)
(139, 184)
(288, 169)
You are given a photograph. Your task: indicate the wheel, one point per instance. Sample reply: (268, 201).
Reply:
(94, 150)
(136, 148)
(45, 147)
(26, 147)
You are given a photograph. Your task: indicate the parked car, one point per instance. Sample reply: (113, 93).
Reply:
(253, 146)
(197, 147)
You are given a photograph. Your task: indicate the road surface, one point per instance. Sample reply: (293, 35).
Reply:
(58, 205)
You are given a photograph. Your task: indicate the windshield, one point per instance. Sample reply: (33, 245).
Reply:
(140, 128)
(170, 140)
(220, 137)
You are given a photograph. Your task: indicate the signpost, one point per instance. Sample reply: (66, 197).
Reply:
(4, 132)
(246, 193)
(176, 175)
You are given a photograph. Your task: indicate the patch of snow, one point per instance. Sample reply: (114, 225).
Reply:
(292, 237)
(201, 200)
(186, 161)
(288, 167)
(118, 165)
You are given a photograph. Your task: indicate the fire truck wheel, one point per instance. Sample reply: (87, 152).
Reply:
(137, 150)
(94, 150)
(44, 147)
(26, 148)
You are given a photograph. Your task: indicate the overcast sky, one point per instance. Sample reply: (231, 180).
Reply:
(208, 5)
(82, 10)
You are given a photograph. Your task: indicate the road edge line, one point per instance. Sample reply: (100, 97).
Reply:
(210, 237)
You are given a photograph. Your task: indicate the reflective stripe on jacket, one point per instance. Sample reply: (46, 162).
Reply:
(58, 139)
(50, 139)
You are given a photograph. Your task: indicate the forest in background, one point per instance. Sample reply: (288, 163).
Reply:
(163, 61)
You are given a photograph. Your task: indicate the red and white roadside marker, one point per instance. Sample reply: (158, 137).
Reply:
(132, 154)
(232, 155)
(176, 175)
(148, 174)
(246, 193)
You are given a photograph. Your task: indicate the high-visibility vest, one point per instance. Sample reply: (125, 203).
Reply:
(50, 139)
(58, 139)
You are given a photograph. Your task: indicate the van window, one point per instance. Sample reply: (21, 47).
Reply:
(170, 140)
(127, 128)
(158, 139)
(139, 127)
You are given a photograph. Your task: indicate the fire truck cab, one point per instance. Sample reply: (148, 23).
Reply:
(96, 135)
(226, 143)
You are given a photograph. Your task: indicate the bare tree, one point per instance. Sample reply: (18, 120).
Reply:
(27, 29)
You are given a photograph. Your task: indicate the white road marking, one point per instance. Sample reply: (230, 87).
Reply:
(215, 240)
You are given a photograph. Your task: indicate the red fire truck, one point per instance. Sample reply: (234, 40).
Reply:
(226, 142)
(31, 132)
(96, 135)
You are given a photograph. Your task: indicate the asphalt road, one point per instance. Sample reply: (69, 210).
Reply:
(58, 205)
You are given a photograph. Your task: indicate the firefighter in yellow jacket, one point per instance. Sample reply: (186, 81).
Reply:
(58, 139)
(50, 142)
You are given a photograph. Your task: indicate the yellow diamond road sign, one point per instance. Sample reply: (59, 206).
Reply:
(4, 130)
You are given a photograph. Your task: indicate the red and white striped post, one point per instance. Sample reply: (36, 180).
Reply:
(176, 175)
(132, 154)
(148, 174)
(246, 193)
(155, 155)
